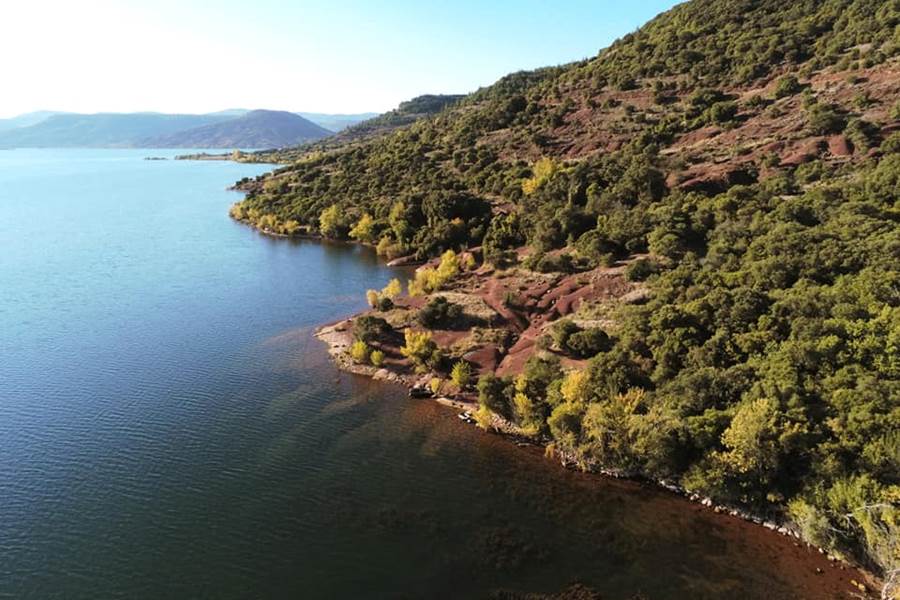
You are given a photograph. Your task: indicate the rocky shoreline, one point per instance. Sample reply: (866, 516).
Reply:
(339, 336)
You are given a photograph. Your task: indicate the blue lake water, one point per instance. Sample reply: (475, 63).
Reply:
(169, 428)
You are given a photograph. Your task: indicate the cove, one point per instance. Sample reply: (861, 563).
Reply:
(169, 426)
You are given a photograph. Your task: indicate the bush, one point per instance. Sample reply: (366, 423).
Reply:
(787, 86)
(722, 112)
(461, 374)
(641, 269)
(560, 263)
(384, 304)
(439, 312)
(561, 331)
(429, 280)
(376, 358)
(372, 298)
(895, 110)
(588, 343)
(364, 230)
(332, 222)
(368, 328)
(494, 394)
(756, 102)
(811, 172)
(861, 133)
(359, 352)
(824, 119)
(392, 289)
(891, 144)
(420, 349)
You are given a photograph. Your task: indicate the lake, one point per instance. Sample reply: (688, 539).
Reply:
(169, 428)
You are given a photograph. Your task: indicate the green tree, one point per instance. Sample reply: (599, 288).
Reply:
(461, 374)
(420, 348)
(364, 230)
(331, 222)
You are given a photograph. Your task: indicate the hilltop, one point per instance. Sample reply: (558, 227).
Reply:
(103, 130)
(255, 129)
(404, 115)
(679, 258)
(233, 128)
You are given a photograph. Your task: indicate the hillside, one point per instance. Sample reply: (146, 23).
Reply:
(104, 130)
(256, 129)
(679, 258)
(404, 115)
(224, 129)
(26, 119)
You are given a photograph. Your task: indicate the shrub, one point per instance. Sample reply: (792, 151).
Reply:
(756, 102)
(561, 331)
(542, 171)
(560, 263)
(494, 394)
(384, 304)
(565, 424)
(364, 230)
(641, 269)
(461, 374)
(376, 358)
(332, 222)
(392, 289)
(721, 112)
(368, 328)
(372, 298)
(787, 86)
(420, 349)
(861, 133)
(824, 119)
(895, 110)
(359, 352)
(811, 172)
(588, 343)
(439, 312)
(891, 144)
(429, 279)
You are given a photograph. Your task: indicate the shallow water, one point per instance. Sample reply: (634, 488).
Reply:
(169, 428)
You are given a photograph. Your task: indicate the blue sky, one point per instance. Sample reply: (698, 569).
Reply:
(319, 56)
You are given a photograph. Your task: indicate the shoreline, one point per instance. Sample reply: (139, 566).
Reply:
(337, 337)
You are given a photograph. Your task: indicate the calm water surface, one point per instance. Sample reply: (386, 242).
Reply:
(170, 429)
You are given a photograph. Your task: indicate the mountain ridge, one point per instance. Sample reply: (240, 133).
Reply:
(123, 130)
(255, 129)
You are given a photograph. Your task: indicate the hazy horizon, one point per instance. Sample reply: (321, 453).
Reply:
(158, 112)
(172, 57)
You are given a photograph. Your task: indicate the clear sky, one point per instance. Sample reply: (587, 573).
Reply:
(335, 56)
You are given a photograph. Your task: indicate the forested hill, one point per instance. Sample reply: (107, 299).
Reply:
(362, 132)
(736, 165)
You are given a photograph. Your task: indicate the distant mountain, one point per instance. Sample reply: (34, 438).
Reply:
(336, 122)
(26, 120)
(330, 121)
(256, 129)
(404, 115)
(111, 130)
